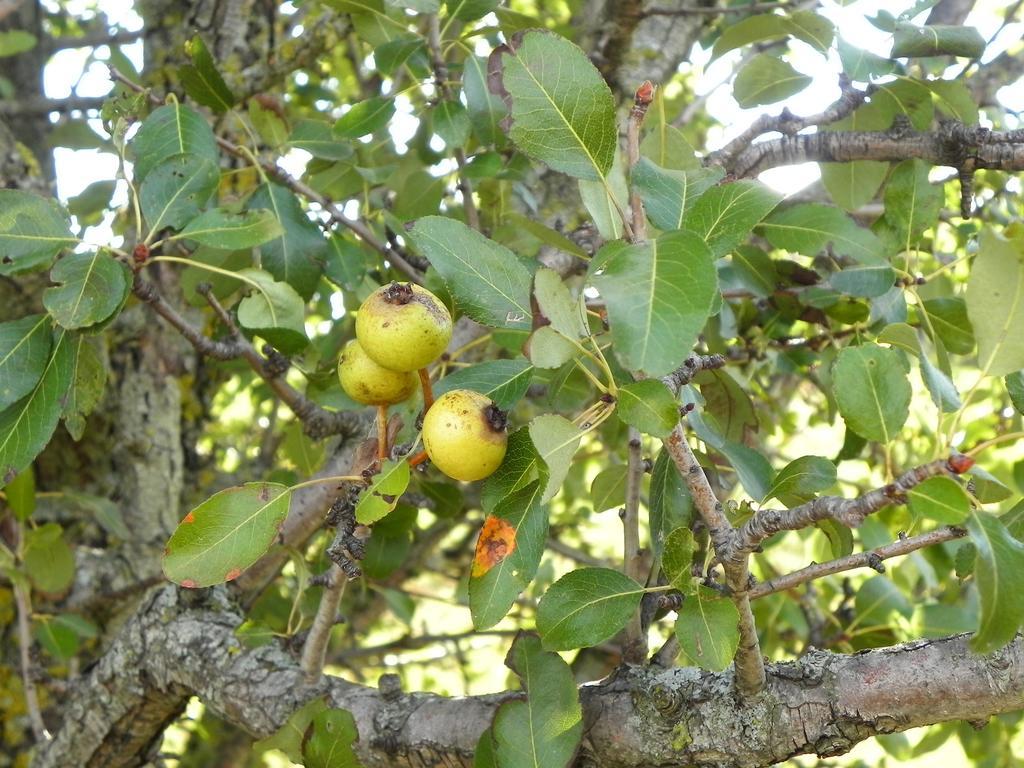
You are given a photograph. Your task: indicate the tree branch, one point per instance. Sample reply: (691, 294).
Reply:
(871, 559)
(41, 105)
(334, 213)
(953, 144)
(849, 512)
(749, 664)
(23, 603)
(318, 421)
(182, 643)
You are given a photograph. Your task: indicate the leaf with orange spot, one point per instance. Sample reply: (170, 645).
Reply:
(497, 541)
(508, 553)
(226, 534)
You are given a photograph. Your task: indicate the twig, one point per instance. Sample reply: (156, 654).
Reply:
(849, 512)
(870, 559)
(28, 683)
(635, 645)
(317, 422)
(412, 643)
(41, 105)
(442, 83)
(749, 664)
(701, 10)
(577, 555)
(691, 366)
(218, 350)
(94, 39)
(641, 101)
(334, 213)
(314, 651)
(789, 124)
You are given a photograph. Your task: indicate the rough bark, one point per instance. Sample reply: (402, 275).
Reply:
(181, 642)
(954, 145)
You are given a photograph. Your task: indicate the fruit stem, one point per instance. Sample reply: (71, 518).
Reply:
(418, 459)
(428, 392)
(382, 432)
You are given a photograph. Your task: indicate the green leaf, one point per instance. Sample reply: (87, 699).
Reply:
(508, 553)
(941, 499)
(92, 287)
(27, 425)
(605, 199)
(766, 79)
(677, 559)
(201, 79)
(563, 112)
(997, 569)
(486, 110)
(912, 203)
(487, 280)
(649, 406)
(175, 191)
(504, 381)
(365, 117)
(547, 348)
(543, 731)
(666, 146)
(995, 302)
(586, 607)
(327, 742)
(21, 494)
(173, 129)
(297, 256)
(708, 630)
(274, 311)
(853, 184)
(484, 756)
(809, 227)
(868, 281)
(862, 65)
(1014, 388)
(522, 465)
(940, 386)
(948, 317)
(812, 28)
(667, 194)
(659, 295)
(384, 492)
(469, 10)
(15, 41)
(32, 231)
(986, 487)
(226, 534)
(88, 378)
(567, 314)
(872, 391)
(451, 123)
(301, 450)
(556, 440)
(670, 502)
(725, 215)
(754, 270)
(24, 350)
(91, 202)
(220, 228)
(316, 137)
(609, 488)
(912, 41)
(801, 479)
(877, 599)
(954, 99)
(48, 560)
